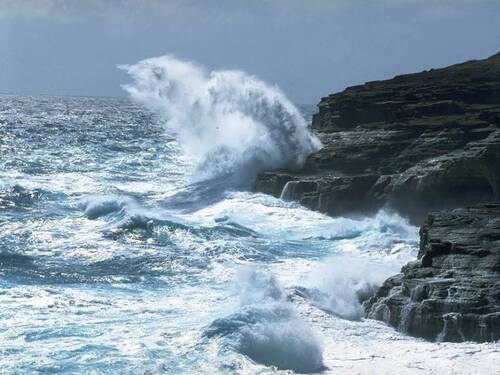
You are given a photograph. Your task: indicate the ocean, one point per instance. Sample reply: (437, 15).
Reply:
(131, 241)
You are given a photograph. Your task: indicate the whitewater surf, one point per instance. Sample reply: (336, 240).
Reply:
(131, 243)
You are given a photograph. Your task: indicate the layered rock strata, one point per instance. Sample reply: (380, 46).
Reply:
(452, 292)
(415, 143)
(418, 143)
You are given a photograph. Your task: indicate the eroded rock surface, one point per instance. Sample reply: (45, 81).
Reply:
(416, 143)
(452, 292)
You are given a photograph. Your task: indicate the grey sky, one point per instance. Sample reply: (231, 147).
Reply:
(308, 47)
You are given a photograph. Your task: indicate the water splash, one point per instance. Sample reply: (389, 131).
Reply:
(267, 328)
(228, 121)
(341, 284)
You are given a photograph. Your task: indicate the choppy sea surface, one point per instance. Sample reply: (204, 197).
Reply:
(116, 259)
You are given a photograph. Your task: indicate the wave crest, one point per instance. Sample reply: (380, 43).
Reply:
(267, 329)
(95, 206)
(229, 121)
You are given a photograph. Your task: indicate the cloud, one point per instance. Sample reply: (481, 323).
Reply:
(40, 8)
(77, 8)
(106, 8)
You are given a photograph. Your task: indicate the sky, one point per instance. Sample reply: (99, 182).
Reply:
(309, 48)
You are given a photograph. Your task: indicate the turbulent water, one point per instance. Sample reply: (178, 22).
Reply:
(130, 242)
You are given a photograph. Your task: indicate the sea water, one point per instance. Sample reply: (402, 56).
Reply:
(131, 242)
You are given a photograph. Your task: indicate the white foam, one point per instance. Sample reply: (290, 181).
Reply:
(341, 283)
(275, 218)
(229, 121)
(267, 328)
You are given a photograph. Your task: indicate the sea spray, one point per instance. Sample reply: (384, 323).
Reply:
(341, 284)
(267, 328)
(228, 121)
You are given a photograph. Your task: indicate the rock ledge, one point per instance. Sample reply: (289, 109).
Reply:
(416, 143)
(452, 292)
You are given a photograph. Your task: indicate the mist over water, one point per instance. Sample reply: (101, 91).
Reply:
(228, 121)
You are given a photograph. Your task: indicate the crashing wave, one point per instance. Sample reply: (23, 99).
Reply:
(229, 121)
(267, 329)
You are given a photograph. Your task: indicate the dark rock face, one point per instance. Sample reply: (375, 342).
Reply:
(417, 142)
(452, 292)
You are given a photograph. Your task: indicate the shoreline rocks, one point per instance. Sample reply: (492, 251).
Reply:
(416, 143)
(452, 291)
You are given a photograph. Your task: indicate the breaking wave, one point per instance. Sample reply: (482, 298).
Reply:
(229, 121)
(340, 285)
(266, 327)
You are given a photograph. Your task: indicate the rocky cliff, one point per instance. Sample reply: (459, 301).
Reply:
(452, 292)
(418, 143)
(415, 143)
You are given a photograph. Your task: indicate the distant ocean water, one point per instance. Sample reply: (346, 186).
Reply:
(128, 246)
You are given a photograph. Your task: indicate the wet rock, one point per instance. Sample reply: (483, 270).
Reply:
(418, 143)
(452, 292)
(415, 143)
